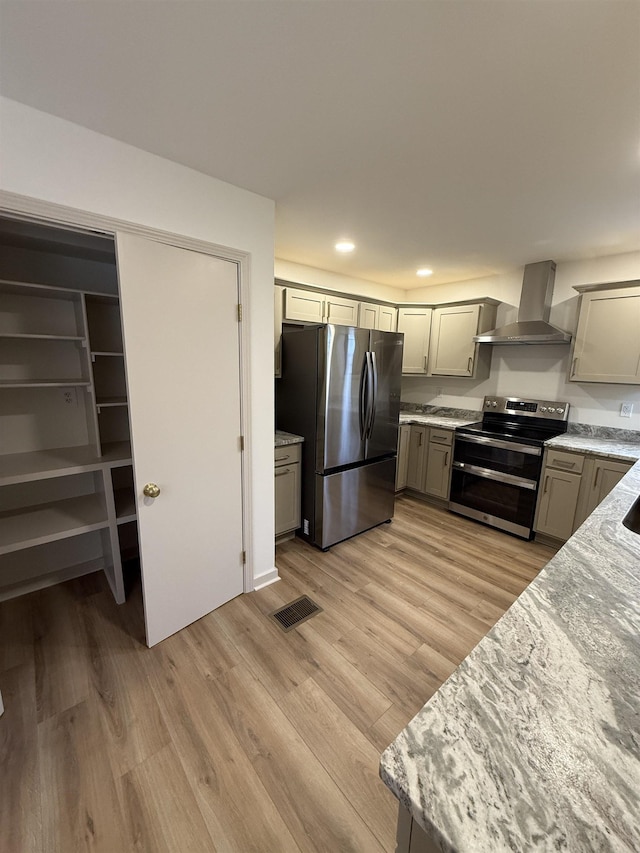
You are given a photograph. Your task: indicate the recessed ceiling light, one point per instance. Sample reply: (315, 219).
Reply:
(345, 246)
(424, 272)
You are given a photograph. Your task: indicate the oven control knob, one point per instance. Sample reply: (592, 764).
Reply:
(560, 411)
(543, 408)
(494, 404)
(551, 410)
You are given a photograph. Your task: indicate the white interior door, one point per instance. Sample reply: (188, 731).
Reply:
(179, 314)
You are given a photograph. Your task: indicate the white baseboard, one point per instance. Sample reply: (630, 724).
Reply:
(266, 579)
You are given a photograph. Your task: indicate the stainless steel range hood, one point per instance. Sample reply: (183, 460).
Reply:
(532, 326)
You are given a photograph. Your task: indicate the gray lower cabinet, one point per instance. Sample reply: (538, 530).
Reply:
(438, 472)
(287, 489)
(557, 503)
(429, 461)
(404, 434)
(598, 479)
(572, 486)
(417, 462)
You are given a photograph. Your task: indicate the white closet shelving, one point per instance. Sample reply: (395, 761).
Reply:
(67, 502)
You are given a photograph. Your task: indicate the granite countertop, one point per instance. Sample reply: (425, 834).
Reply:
(627, 451)
(284, 438)
(533, 743)
(434, 420)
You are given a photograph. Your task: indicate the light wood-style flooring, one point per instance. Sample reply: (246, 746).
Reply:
(233, 735)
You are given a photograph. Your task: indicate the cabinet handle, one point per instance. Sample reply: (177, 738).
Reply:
(559, 463)
(574, 364)
(419, 439)
(282, 458)
(595, 479)
(546, 483)
(282, 471)
(151, 490)
(446, 458)
(425, 364)
(470, 365)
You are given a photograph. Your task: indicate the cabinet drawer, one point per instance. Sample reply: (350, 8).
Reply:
(565, 461)
(288, 454)
(441, 436)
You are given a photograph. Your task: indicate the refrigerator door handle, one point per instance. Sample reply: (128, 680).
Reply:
(373, 392)
(364, 394)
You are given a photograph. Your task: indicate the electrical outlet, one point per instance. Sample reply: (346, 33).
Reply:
(626, 410)
(438, 392)
(70, 397)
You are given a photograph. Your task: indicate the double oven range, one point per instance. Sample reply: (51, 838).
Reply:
(497, 462)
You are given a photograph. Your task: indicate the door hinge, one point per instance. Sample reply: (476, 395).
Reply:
(244, 557)
(239, 313)
(241, 443)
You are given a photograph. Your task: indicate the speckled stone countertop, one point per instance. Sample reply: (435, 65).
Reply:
(283, 438)
(611, 448)
(434, 420)
(533, 743)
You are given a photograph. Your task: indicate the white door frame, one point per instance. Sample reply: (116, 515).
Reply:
(58, 214)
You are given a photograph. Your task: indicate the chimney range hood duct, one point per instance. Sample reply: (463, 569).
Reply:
(532, 326)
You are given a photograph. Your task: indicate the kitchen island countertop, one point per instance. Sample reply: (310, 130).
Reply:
(533, 743)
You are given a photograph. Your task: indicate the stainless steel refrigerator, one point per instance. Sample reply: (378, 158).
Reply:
(340, 390)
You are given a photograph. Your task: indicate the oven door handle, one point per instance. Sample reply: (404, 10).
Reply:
(488, 474)
(503, 445)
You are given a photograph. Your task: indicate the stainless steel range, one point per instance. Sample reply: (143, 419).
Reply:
(497, 462)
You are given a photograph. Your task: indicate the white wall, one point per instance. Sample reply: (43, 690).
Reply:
(534, 371)
(46, 158)
(303, 274)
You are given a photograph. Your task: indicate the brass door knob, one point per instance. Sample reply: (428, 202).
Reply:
(151, 490)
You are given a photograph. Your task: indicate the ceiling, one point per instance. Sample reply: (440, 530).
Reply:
(468, 136)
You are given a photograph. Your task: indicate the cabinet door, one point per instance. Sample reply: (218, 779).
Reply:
(452, 350)
(287, 498)
(387, 318)
(418, 440)
(304, 305)
(277, 329)
(557, 503)
(368, 315)
(438, 466)
(415, 323)
(605, 475)
(191, 534)
(607, 342)
(404, 434)
(340, 311)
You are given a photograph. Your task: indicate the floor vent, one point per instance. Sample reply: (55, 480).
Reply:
(295, 613)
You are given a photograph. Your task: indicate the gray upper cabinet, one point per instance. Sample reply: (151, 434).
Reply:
(438, 341)
(384, 318)
(607, 342)
(309, 306)
(415, 323)
(452, 351)
(278, 299)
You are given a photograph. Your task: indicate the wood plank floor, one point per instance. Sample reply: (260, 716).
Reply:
(233, 735)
